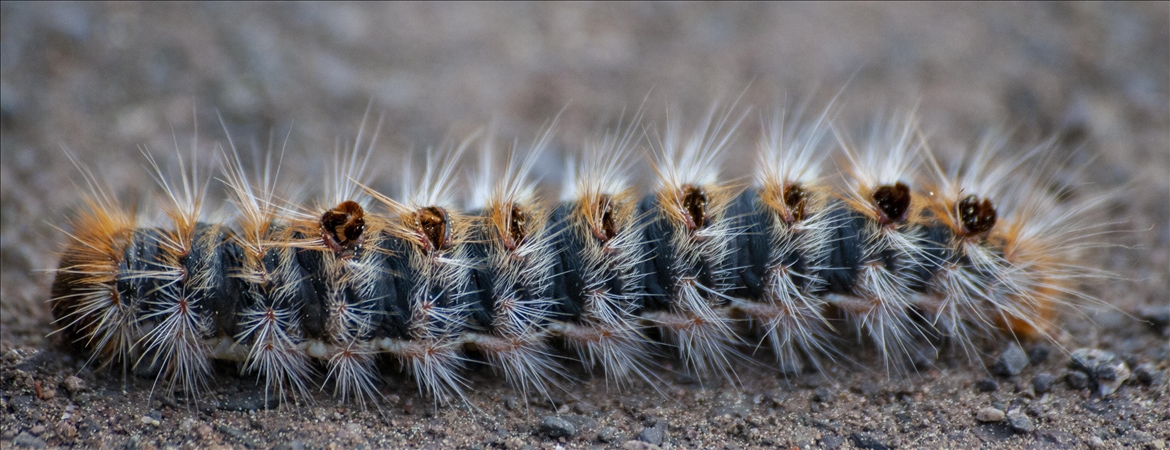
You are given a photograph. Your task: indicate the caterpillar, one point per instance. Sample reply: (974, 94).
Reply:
(898, 252)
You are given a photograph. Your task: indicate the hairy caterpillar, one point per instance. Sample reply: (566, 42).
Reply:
(899, 253)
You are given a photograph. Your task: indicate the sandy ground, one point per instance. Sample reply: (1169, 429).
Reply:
(104, 80)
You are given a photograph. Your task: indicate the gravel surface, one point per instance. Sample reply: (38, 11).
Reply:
(103, 80)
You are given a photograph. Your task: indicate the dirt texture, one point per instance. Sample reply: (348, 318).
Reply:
(104, 80)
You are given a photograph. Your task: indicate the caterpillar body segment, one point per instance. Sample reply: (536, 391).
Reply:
(787, 221)
(600, 271)
(344, 253)
(792, 263)
(180, 311)
(347, 269)
(179, 272)
(514, 244)
(432, 262)
(894, 253)
(965, 298)
(94, 306)
(690, 239)
(273, 287)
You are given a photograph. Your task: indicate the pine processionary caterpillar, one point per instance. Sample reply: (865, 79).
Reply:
(898, 253)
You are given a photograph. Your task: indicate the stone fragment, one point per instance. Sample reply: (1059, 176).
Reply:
(607, 435)
(1042, 383)
(1011, 361)
(1020, 422)
(986, 385)
(556, 427)
(1105, 372)
(989, 414)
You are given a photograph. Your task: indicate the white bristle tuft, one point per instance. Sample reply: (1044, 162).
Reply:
(352, 370)
(275, 355)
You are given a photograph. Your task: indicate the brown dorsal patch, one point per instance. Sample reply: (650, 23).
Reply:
(893, 202)
(605, 226)
(977, 215)
(695, 203)
(518, 221)
(433, 226)
(795, 198)
(343, 226)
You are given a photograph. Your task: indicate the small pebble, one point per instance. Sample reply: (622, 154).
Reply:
(24, 439)
(37, 430)
(1104, 370)
(869, 441)
(1087, 359)
(639, 445)
(21, 404)
(1157, 316)
(832, 442)
(989, 414)
(1076, 380)
(1011, 361)
(652, 435)
(1110, 377)
(1147, 374)
(986, 385)
(584, 408)
(66, 429)
(1042, 383)
(1020, 422)
(1039, 353)
(823, 394)
(556, 427)
(607, 435)
(147, 420)
(73, 384)
(1096, 443)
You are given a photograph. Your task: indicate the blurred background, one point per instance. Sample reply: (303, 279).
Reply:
(107, 81)
(104, 80)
